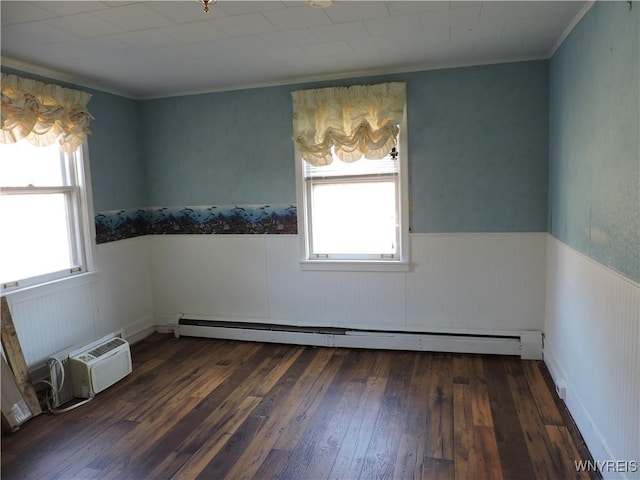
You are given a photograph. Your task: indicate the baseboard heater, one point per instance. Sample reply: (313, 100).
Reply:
(526, 344)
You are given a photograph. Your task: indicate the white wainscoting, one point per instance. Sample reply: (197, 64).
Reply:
(72, 312)
(125, 300)
(55, 316)
(476, 282)
(459, 283)
(592, 348)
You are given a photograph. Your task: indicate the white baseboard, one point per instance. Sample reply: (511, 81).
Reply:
(593, 439)
(139, 330)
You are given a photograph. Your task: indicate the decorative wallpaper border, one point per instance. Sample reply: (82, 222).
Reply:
(203, 219)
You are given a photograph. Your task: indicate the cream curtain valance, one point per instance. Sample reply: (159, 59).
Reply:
(43, 113)
(356, 121)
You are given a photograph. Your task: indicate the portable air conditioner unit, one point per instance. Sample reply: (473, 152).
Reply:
(98, 368)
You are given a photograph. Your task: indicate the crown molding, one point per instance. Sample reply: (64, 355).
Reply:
(61, 76)
(583, 11)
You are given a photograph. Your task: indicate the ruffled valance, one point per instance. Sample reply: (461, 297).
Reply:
(356, 121)
(43, 113)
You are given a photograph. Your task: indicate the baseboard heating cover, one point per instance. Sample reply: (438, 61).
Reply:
(526, 344)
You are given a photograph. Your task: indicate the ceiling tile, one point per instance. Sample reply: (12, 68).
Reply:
(120, 3)
(247, 24)
(193, 32)
(102, 49)
(412, 7)
(146, 39)
(329, 48)
(241, 7)
(453, 17)
(183, 11)
(376, 48)
(74, 7)
(472, 3)
(475, 36)
(236, 45)
(290, 38)
(341, 31)
(83, 25)
(529, 27)
(395, 26)
(35, 33)
(283, 54)
(350, 11)
(133, 17)
(297, 17)
(19, 12)
(430, 39)
(492, 13)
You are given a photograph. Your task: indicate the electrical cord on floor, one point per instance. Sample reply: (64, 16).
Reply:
(57, 411)
(57, 389)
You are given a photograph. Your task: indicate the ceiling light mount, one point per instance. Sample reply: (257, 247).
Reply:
(207, 4)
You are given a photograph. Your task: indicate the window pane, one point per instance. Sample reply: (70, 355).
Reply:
(384, 166)
(38, 240)
(23, 164)
(354, 218)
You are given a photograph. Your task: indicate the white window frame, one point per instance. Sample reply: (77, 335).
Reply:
(78, 199)
(401, 262)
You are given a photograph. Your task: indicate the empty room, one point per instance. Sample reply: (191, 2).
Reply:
(320, 239)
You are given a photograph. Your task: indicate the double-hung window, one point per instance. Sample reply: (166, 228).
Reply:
(44, 200)
(352, 196)
(43, 209)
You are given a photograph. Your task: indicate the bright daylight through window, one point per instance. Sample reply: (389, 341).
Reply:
(353, 209)
(42, 207)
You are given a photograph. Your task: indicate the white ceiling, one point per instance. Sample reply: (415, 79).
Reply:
(161, 48)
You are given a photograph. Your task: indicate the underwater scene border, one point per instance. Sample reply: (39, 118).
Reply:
(116, 225)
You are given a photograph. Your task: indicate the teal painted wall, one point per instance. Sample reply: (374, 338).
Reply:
(115, 153)
(594, 152)
(219, 148)
(478, 146)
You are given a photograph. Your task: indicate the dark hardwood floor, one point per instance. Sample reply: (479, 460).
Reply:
(210, 409)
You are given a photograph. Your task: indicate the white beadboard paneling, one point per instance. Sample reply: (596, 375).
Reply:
(73, 311)
(492, 283)
(209, 274)
(476, 281)
(54, 317)
(341, 299)
(592, 345)
(124, 294)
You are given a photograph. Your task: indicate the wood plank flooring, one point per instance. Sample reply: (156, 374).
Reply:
(210, 409)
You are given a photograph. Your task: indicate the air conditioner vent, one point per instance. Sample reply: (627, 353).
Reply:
(94, 370)
(106, 348)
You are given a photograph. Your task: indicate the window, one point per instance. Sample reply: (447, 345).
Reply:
(353, 216)
(45, 214)
(351, 171)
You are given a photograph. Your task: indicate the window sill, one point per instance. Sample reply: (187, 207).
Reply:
(34, 291)
(353, 266)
